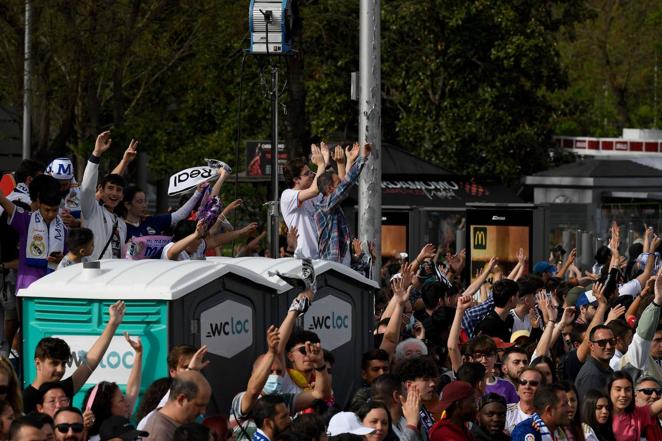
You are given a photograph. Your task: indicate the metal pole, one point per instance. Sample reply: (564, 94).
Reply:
(370, 126)
(274, 160)
(27, 70)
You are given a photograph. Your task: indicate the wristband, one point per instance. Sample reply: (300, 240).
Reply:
(300, 305)
(656, 305)
(412, 427)
(94, 159)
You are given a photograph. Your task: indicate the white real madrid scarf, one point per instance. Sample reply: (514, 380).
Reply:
(43, 240)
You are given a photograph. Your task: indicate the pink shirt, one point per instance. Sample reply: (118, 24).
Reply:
(631, 426)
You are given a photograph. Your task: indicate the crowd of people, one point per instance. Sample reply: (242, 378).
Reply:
(553, 354)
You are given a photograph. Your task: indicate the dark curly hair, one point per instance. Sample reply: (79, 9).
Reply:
(419, 367)
(102, 405)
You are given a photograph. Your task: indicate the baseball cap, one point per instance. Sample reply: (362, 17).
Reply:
(518, 334)
(346, 422)
(544, 267)
(119, 427)
(586, 298)
(61, 169)
(500, 344)
(573, 295)
(455, 391)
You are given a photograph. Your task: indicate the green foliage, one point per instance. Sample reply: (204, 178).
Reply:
(470, 81)
(611, 61)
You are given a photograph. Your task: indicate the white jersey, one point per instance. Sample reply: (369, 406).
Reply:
(302, 217)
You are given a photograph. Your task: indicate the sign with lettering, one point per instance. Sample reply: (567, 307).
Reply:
(227, 328)
(187, 179)
(115, 365)
(331, 319)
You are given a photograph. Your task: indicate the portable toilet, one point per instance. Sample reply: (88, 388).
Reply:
(342, 312)
(167, 303)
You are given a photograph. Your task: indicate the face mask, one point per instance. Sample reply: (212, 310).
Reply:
(273, 385)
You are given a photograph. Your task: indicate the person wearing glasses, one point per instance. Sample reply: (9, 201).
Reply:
(53, 398)
(68, 424)
(647, 391)
(596, 371)
(529, 381)
(483, 350)
(632, 423)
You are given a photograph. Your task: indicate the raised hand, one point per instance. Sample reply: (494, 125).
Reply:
(543, 303)
(598, 292)
(317, 158)
(658, 288)
(407, 274)
(464, 302)
(250, 228)
(490, 265)
(273, 339)
(456, 262)
(353, 153)
(655, 243)
(339, 155)
(116, 312)
(572, 256)
(648, 287)
(568, 316)
(233, 205)
(400, 291)
(427, 252)
(198, 361)
(615, 313)
(200, 229)
(131, 151)
(315, 353)
(326, 153)
(136, 344)
(102, 144)
(356, 247)
(521, 257)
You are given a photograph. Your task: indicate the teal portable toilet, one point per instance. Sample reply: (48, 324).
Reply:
(342, 312)
(167, 303)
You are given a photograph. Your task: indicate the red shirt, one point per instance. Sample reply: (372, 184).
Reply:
(446, 430)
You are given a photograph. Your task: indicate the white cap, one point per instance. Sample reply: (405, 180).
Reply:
(61, 169)
(347, 422)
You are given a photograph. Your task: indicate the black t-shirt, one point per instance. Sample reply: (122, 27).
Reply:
(493, 326)
(31, 395)
(571, 366)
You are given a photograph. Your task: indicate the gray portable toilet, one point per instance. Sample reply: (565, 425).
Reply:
(168, 303)
(342, 312)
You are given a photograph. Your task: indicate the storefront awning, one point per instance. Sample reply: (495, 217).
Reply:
(435, 191)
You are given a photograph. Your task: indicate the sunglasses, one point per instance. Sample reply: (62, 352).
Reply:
(649, 391)
(479, 355)
(532, 383)
(603, 343)
(64, 427)
(301, 350)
